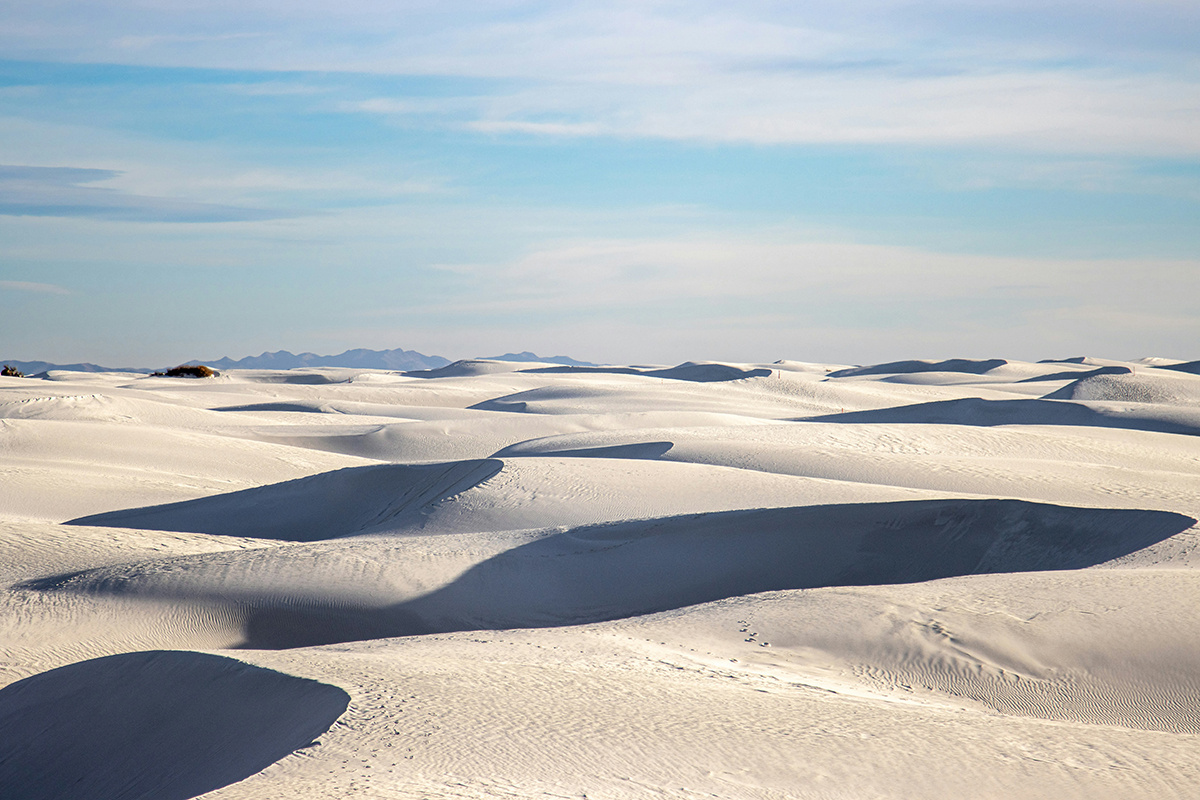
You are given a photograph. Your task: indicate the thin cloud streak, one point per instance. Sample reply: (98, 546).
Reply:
(1064, 112)
(1014, 74)
(754, 299)
(598, 275)
(59, 192)
(30, 286)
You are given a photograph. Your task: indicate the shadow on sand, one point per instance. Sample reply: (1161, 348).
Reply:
(696, 372)
(328, 505)
(631, 568)
(159, 725)
(963, 365)
(985, 413)
(605, 572)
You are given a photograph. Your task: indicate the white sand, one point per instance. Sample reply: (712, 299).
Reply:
(916, 580)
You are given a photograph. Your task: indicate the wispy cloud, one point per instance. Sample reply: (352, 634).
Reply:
(63, 192)
(733, 298)
(30, 286)
(1060, 75)
(158, 40)
(276, 88)
(54, 176)
(1070, 111)
(1070, 173)
(539, 128)
(773, 272)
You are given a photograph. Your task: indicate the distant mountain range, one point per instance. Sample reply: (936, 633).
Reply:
(398, 359)
(528, 356)
(401, 360)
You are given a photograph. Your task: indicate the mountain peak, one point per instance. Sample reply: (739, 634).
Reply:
(525, 356)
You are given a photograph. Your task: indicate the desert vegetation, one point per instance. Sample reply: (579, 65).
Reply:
(187, 371)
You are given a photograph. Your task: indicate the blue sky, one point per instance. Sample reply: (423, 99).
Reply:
(640, 182)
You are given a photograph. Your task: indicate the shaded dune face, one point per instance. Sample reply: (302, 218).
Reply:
(1192, 367)
(324, 506)
(631, 568)
(604, 572)
(159, 725)
(697, 372)
(688, 371)
(464, 368)
(1074, 375)
(646, 451)
(961, 365)
(1111, 387)
(977, 411)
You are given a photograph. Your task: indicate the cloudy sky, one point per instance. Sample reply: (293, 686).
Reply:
(637, 182)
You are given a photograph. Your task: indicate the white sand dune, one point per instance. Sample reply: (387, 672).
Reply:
(1054, 464)
(1109, 387)
(581, 575)
(909, 580)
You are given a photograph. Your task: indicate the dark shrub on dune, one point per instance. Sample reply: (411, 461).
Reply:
(187, 371)
(11, 372)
